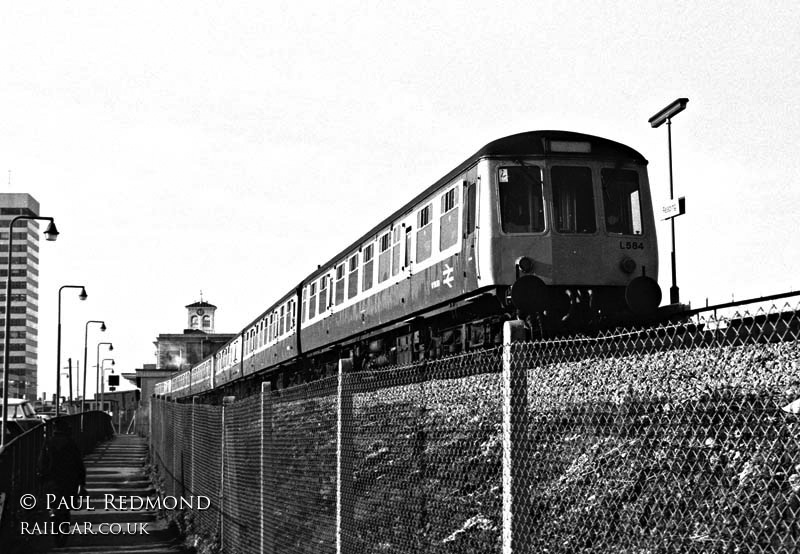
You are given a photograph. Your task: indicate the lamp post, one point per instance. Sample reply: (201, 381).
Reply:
(97, 385)
(82, 295)
(51, 234)
(85, 364)
(666, 115)
(69, 366)
(103, 378)
(60, 375)
(77, 379)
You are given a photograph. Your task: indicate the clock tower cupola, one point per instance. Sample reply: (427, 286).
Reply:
(200, 316)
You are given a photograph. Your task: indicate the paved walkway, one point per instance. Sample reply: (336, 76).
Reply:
(116, 468)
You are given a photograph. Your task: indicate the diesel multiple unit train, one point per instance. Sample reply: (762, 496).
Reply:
(553, 227)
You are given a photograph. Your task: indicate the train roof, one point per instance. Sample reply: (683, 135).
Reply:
(536, 143)
(530, 143)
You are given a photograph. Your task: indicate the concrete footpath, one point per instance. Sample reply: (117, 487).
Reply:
(117, 486)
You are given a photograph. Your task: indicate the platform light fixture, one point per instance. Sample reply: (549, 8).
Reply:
(82, 296)
(52, 234)
(85, 358)
(668, 113)
(665, 115)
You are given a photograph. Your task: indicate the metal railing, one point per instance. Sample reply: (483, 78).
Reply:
(19, 460)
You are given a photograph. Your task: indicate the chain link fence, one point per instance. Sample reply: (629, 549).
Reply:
(679, 438)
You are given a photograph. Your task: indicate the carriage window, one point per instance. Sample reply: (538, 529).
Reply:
(339, 293)
(384, 259)
(323, 294)
(448, 222)
(424, 233)
(573, 199)
(367, 283)
(352, 277)
(521, 202)
(312, 302)
(622, 201)
(449, 200)
(407, 257)
(395, 250)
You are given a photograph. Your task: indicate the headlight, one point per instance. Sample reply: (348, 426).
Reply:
(627, 265)
(525, 264)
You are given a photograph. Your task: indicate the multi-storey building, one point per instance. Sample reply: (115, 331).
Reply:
(24, 316)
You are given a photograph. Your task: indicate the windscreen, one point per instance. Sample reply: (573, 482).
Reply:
(573, 199)
(621, 199)
(521, 202)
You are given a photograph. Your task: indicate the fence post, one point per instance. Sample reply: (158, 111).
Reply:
(192, 487)
(221, 523)
(515, 406)
(345, 451)
(267, 536)
(177, 447)
(420, 445)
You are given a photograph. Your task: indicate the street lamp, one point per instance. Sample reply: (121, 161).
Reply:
(85, 358)
(51, 233)
(82, 295)
(97, 385)
(103, 378)
(666, 115)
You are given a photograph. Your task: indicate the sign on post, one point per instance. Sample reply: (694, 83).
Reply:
(673, 208)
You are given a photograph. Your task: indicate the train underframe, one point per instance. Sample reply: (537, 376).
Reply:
(469, 324)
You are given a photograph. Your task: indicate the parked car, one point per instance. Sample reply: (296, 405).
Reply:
(46, 414)
(21, 416)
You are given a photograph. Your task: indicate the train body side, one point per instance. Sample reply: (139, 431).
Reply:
(457, 240)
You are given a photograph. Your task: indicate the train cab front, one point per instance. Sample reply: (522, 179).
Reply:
(575, 232)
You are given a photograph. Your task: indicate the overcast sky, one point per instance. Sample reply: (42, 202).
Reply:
(233, 146)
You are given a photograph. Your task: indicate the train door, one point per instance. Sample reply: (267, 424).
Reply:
(470, 230)
(575, 237)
